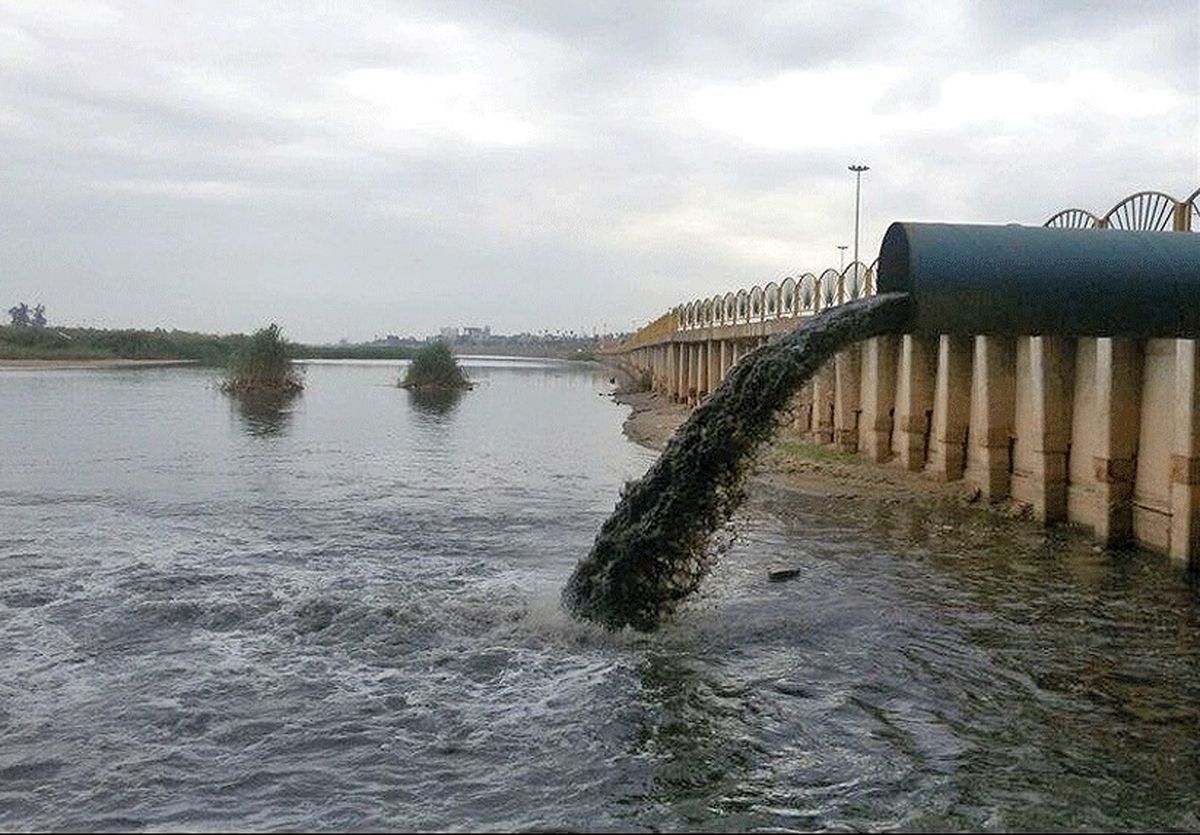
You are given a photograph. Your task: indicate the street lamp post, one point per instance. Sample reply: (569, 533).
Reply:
(842, 253)
(858, 172)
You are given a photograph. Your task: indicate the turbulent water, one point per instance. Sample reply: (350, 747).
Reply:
(656, 547)
(345, 616)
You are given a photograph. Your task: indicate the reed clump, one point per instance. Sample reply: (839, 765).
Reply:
(433, 367)
(263, 367)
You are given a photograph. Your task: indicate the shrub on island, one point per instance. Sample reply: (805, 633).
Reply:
(433, 367)
(263, 367)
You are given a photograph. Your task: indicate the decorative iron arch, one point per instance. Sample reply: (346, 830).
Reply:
(771, 301)
(718, 309)
(1146, 211)
(872, 275)
(729, 307)
(1073, 219)
(743, 306)
(756, 304)
(807, 296)
(706, 309)
(1193, 211)
(831, 289)
(787, 297)
(853, 279)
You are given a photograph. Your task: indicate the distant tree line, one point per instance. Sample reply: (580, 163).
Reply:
(23, 317)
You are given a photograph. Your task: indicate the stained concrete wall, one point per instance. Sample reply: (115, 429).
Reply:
(1100, 432)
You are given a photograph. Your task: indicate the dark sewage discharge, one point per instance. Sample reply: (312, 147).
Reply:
(654, 550)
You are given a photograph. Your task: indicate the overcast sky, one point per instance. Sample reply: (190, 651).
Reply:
(354, 169)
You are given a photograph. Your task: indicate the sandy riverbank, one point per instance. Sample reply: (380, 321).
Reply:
(59, 365)
(791, 463)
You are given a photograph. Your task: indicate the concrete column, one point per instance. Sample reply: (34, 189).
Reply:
(725, 361)
(1152, 485)
(697, 372)
(672, 372)
(714, 365)
(1104, 436)
(1185, 455)
(680, 349)
(1118, 393)
(951, 408)
(685, 372)
(877, 397)
(802, 408)
(1045, 374)
(823, 383)
(847, 382)
(914, 400)
(993, 393)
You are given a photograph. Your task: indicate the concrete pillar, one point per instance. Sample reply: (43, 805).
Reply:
(914, 400)
(1045, 375)
(847, 383)
(951, 408)
(725, 364)
(685, 372)
(1185, 455)
(1104, 436)
(802, 408)
(696, 384)
(714, 365)
(993, 393)
(669, 370)
(1152, 483)
(877, 397)
(823, 383)
(680, 371)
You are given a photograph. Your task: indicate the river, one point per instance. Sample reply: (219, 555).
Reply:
(345, 616)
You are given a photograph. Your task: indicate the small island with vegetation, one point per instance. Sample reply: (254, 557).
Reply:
(263, 367)
(434, 368)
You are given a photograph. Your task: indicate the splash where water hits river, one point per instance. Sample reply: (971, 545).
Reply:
(345, 615)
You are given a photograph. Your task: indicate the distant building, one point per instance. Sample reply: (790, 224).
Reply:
(476, 334)
(449, 334)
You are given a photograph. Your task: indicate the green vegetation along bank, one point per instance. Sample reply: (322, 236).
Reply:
(54, 343)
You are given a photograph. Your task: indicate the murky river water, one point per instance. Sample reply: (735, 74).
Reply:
(346, 616)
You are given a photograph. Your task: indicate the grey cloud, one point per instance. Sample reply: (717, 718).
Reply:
(210, 168)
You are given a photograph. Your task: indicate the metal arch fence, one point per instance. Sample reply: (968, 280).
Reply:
(793, 296)
(806, 294)
(1143, 211)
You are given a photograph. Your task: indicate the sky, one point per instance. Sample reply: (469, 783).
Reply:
(352, 169)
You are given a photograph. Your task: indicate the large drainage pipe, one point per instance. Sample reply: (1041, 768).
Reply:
(1029, 280)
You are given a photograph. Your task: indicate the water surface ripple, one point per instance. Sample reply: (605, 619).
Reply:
(345, 616)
